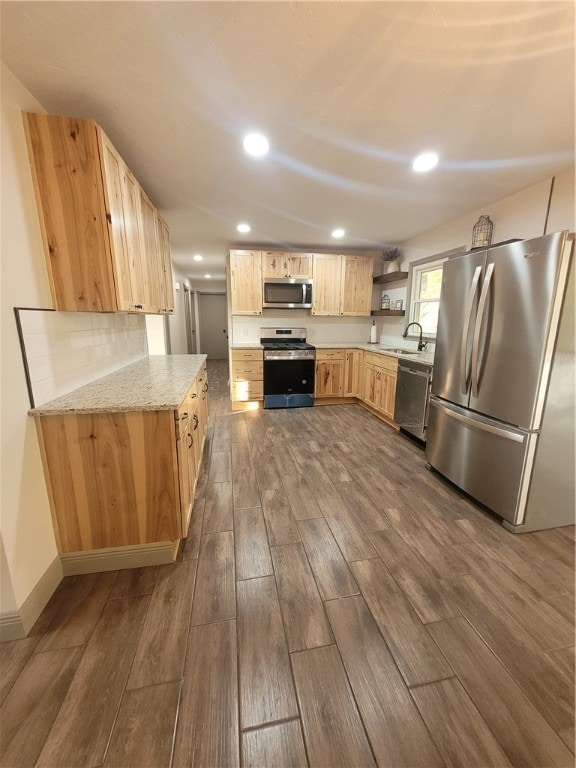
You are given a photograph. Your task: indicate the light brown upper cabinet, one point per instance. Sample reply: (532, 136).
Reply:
(342, 285)
(246, 282)
(283, 264)
(326, 271)
(101, 241)
(356, 285)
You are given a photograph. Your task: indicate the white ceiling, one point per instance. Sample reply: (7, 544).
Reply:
(347, 92)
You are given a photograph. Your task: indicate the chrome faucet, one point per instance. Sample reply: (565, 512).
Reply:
(421, 344)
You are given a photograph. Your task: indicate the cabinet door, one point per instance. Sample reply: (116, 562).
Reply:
(352, 373)
(326, 272)
(151, 262)
(387, 393)
(134, 239)
(329, 378)
(274, 264)
(299, 264)
(356, 286)
(185, 449)
(67, 171)
(167, 286)
(372, 386)
(113, 174)
(246, 282)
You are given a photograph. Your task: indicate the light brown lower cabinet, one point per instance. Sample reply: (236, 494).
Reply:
(330, 371)
(247, 377)
(119, 479)
(379, 385)
(352, 377)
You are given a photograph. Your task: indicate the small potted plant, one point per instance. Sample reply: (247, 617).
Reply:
(392, 257)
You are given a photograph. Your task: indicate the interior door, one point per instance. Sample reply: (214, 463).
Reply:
(213, 321)
(461, 284)
(512, 328)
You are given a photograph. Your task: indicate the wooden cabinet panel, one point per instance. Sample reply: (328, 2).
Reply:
(300, 265)
(167, 284)
(105, 489)
(247, 377)
(342, 285)
(379, 388)
(246, 282)
(283, 264)
(238, 355)
(329, 375)
(98, 227)
(356, 285)
(274, 264)
(326, 271)
(66, 170)
(114, 171)
(353, 358)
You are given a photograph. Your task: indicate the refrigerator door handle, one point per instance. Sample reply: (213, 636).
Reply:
(476, 371)
(468, 318)
(481, 425)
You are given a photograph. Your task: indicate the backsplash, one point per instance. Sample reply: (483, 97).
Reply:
(320, 329)
(65, 350)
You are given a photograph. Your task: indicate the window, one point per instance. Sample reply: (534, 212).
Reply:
(424, 285)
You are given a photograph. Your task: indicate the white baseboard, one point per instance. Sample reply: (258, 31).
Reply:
(116, 558)
(17, 624)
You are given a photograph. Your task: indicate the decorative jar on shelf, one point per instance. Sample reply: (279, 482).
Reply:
(385, 303)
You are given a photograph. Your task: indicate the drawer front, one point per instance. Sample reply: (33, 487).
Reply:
(330, 354)
(381, 361)
(247, 371)
(247, 390)
(246, 354)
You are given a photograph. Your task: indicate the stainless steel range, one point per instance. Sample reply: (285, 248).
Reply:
(289, 363)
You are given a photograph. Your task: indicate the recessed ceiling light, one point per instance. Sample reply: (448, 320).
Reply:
(197, 257)
(338, 233)
(256, 144)
(243, 227)
(425, 162)
(207, 277)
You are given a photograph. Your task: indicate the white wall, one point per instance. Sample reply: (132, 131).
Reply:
(25, 520)
(521, 215)
(178, 344)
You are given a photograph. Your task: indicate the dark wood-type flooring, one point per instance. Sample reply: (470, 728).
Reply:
(335, 604)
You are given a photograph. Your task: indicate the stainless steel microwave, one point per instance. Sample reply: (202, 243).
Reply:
(287, 293)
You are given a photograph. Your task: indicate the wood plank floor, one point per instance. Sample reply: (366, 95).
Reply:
(334, 604)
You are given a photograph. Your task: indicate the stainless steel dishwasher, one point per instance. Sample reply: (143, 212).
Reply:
(412, 395)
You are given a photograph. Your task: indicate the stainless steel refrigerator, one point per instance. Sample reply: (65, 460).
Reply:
(501, 419)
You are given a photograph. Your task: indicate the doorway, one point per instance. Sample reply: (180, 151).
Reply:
(189, 321)
(213, 325)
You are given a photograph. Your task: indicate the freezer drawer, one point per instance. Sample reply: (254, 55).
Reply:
(485, 458)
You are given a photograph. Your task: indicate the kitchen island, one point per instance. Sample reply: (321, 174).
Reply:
(121, 459)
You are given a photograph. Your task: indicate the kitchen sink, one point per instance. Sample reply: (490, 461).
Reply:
(401, 351)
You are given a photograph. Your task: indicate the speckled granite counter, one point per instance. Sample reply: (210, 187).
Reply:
(155, 383)
(423, 357)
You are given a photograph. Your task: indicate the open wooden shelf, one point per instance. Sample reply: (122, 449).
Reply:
(389, 312)
(390, 277)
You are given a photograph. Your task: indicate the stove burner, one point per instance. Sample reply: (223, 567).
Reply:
(286, 345)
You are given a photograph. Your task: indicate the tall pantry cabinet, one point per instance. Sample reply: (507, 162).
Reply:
(106, 247)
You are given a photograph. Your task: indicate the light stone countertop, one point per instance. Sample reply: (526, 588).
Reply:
(381, 349)
(155, 383)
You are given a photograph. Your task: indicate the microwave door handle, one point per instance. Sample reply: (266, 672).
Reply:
(303, 293)
(465, 332)
(476, 367)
